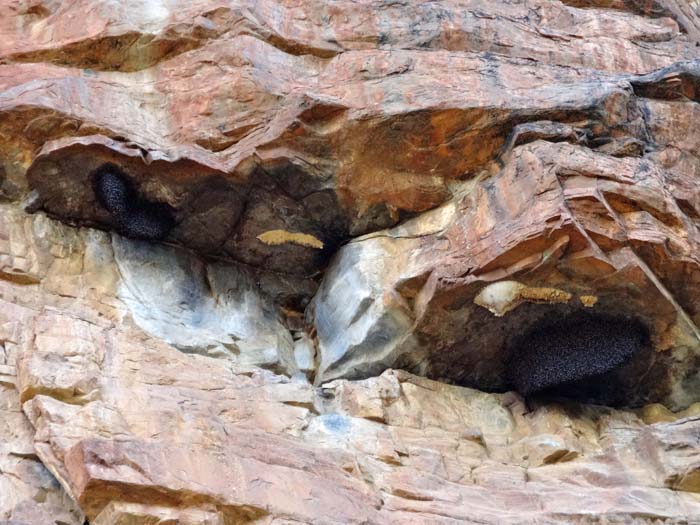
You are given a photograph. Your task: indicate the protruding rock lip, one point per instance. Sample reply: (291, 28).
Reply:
(69, 177)
(215, 213)
(679, 81)
(104, 470)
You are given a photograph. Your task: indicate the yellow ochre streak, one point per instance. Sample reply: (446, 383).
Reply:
(277, 237)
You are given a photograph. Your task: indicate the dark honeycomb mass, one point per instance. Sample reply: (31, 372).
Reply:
(151, 221)
(113, 189)
(576, 347)
(135, 217)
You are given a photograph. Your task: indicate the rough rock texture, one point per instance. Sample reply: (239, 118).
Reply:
(135, 429)
(354, 213)
(583, 223)
(28, 491)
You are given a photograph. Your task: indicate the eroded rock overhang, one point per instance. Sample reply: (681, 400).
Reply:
(450, 293)
(285, 130)
(572, 186)
(605, 225)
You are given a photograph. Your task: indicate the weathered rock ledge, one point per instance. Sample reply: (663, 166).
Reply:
(333, 237)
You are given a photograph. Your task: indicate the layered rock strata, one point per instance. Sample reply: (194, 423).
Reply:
(284, 262)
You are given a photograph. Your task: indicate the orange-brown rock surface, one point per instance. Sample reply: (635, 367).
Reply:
(370, 206)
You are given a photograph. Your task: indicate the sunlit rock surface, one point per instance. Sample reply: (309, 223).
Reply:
(370, 205)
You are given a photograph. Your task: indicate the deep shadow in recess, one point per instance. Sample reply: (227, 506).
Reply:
(591, 358)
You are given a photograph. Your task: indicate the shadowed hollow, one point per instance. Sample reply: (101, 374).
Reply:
(574, 351)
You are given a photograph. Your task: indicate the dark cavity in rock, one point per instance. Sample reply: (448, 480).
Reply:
(135, 216)
(574, 353)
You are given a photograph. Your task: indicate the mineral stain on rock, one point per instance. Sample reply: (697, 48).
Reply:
(578, 347)
(135, 216)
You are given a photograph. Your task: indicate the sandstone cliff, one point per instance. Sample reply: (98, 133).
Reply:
(285, 261)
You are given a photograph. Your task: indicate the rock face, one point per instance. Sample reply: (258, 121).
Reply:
(283, 262)
(570, 237)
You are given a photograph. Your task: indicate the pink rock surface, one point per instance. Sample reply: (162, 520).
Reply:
(357, 188)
